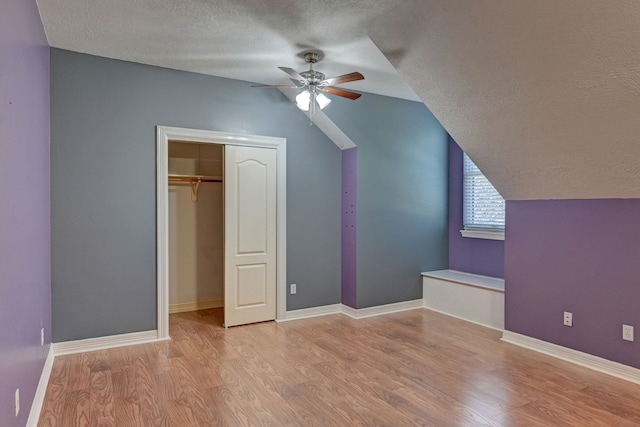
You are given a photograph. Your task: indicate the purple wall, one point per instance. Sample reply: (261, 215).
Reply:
(25, 273)
(349, 215)
(478, 256)
(579, 256)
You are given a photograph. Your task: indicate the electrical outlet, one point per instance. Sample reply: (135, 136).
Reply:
(568, 319)
(293, 289)
(41, 337)
(627, 333)
(17, 401)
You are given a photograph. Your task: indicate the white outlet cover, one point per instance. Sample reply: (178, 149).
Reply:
(568, 318)
(17, 401)
(627, 332)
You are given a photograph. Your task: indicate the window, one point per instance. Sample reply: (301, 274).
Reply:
(483, 206)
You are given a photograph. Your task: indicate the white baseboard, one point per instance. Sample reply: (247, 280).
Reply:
(38, 399)
(102, 343)
(355, 313)
(182, 307)
(574, 356)
(496, 328)
(306, 313)
(361, 313)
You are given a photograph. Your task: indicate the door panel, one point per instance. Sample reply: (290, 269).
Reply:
(250, 235)
(251, 285)
(252, 199)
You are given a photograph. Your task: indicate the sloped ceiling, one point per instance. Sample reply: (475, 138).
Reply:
(543, 95)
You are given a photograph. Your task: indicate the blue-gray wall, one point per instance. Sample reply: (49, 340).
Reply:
(104, 115)
(402, 219)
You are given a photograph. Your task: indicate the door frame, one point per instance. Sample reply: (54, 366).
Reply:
(166, 133)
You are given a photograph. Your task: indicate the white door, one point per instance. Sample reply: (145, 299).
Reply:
(250, 235)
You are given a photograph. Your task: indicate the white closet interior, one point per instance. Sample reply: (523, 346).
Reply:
(196, 256)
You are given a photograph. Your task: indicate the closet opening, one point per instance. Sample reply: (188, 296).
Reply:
(196, 229)
(231, 189)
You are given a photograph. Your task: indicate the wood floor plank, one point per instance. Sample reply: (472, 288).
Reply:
(53, 407)
(77, 409)
(80, 371)
(415, 368)
(229, 408)
(102, 399)
(148, 390)
(309, 395)
(126, 404)
(610, 400)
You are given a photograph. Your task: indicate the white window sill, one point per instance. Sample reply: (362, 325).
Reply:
(478, 234)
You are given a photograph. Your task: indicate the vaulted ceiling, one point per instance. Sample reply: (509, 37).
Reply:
(543, 95)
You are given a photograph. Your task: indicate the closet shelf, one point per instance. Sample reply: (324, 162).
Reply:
(194, 178)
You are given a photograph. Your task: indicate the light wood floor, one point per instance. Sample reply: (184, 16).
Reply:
(404, 369)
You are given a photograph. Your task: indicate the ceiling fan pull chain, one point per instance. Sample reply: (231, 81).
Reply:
(312, 107)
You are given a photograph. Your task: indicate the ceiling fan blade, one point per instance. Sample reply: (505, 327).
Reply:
(345, 78)
(341, 92)
(294, 74)
(278, 86)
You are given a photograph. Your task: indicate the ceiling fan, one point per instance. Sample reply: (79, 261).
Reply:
(314, 84)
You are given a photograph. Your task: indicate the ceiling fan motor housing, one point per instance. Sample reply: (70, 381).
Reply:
(311, 57)
(313, 76)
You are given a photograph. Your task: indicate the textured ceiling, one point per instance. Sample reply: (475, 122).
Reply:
(544, 96)
(238, 39)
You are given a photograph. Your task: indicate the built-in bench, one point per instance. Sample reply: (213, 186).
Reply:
(472, 297)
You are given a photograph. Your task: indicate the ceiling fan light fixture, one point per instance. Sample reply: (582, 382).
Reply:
(302, 100)
(322, 100)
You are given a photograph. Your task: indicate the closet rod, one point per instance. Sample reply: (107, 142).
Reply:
(192, 179)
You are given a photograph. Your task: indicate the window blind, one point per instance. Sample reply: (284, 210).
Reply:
(483, 205)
